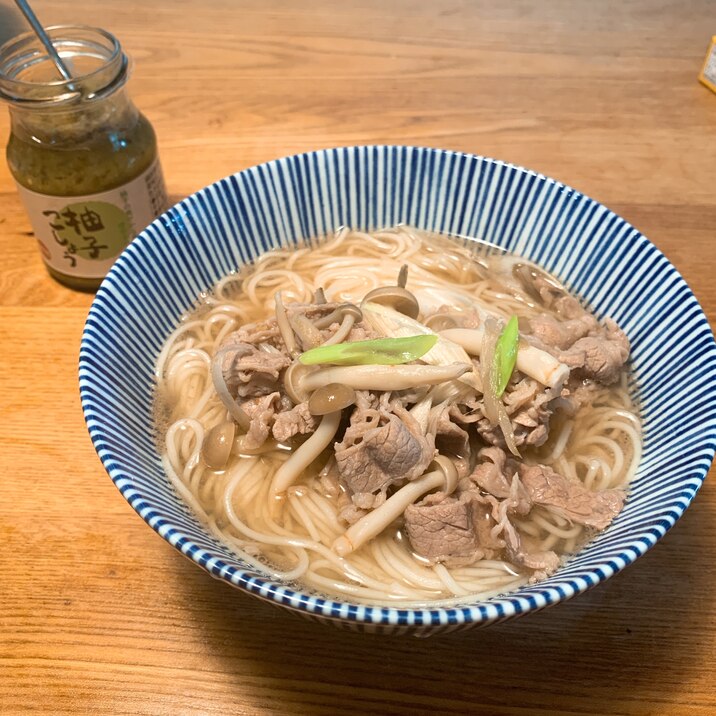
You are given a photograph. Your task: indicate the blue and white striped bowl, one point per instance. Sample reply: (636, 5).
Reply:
(599, 255)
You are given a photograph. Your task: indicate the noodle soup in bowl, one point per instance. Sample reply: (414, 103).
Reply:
(522, 460)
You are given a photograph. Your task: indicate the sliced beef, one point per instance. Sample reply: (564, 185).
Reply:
(517, 547)
(576, 394)
(381, 447)
(450, 439)
(492, 475)
(350, 514)
(261, 411)
(529, 406)
(590, 349)
(275, 414)
(267, 331)
(476, 522)
(521, 394)
(445, 529)
(570, 499)
(550, 293)
(362, 332)
(461, 529)
(466, 412)
(583, 392)
(485, 525)
(561, 334)
(296, 421)
(543, 562)
(359, 332)
(256, 333)
(347, 511)
(600, 357)
(250, 371)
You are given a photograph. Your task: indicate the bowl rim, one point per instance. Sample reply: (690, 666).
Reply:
(324, 607)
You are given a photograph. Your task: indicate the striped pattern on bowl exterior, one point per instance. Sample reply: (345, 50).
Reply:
(596, 253)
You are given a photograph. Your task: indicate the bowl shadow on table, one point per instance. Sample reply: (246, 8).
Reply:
(631, 646)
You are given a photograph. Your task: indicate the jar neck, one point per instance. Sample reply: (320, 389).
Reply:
(42, 105)
(74, 123)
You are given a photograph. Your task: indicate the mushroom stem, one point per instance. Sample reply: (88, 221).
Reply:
(222, 390)
(531, 361)
(402, 276)
(337, 315)
(342, 333)
(291, 470)
(378, 519)
(284, 326)
(387, 321)
(384, 377)
(307, 333)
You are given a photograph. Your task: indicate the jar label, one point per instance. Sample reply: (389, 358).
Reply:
(83, 235)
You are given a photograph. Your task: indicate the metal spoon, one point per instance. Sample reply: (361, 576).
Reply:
(44, 39)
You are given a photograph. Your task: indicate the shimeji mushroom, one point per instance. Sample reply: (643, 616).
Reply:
(382, 377)
(217, 377)
(300, 380)
(306, 453)
(347, 314)
(330, 398)
(293, 378)
(306, 330)
(292, 323)
(445, 477)
(396, 297)
(216, 448)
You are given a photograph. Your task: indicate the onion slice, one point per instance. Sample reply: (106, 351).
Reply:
(487, 361)
(506, 426)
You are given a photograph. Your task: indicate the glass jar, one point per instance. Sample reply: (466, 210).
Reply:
(84, 158)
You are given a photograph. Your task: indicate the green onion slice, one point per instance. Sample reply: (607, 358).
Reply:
(381, 351)
(506, 354)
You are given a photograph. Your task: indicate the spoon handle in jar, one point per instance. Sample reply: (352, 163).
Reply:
(30, 16)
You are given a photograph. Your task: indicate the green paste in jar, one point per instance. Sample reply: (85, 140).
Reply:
(103, 160)
(90, 162)
(85, 159)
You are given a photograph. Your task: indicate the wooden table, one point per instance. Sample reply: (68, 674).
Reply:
(98, 614)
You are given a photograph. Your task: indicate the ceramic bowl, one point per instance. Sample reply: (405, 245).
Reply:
(591, 249)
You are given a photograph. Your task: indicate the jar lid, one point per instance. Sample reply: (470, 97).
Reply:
(28, 76)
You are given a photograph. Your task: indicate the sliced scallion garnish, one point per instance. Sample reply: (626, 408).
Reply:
(506, 355)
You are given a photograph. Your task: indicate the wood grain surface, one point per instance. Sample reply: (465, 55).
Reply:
(98, 615)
